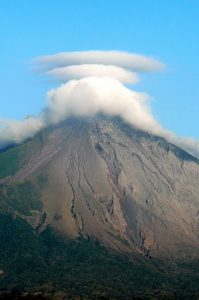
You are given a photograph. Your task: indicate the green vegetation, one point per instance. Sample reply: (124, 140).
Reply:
(22, 197)
(42, 181)
(49, 263)
(11, 160)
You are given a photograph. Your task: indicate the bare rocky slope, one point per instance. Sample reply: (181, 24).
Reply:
(101, 178)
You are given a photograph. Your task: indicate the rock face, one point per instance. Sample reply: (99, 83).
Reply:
(101, 178)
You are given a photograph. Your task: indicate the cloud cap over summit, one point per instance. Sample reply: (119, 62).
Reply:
(92, 82)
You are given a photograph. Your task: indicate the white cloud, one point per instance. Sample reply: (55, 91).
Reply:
(82, 98)
(125, 60)
(92, 95)
(13, 131)
(81, 71)
(96, 88)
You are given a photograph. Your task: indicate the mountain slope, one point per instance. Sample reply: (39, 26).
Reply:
(102, 179)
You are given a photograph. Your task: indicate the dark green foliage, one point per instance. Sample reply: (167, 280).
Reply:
(22, 197)
(11, 160)
(42, 181)
(82, 267)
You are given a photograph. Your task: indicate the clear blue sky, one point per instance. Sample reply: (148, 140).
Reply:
(165, 29)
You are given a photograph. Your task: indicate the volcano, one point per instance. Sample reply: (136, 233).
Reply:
(102, 180)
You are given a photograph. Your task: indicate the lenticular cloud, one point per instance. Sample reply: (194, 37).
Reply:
(124, 60)
(92, 82)
(82, 71)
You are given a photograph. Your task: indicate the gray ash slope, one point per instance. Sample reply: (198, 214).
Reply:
(101, 178)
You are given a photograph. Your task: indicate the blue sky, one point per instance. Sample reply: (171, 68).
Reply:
(167, 30)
